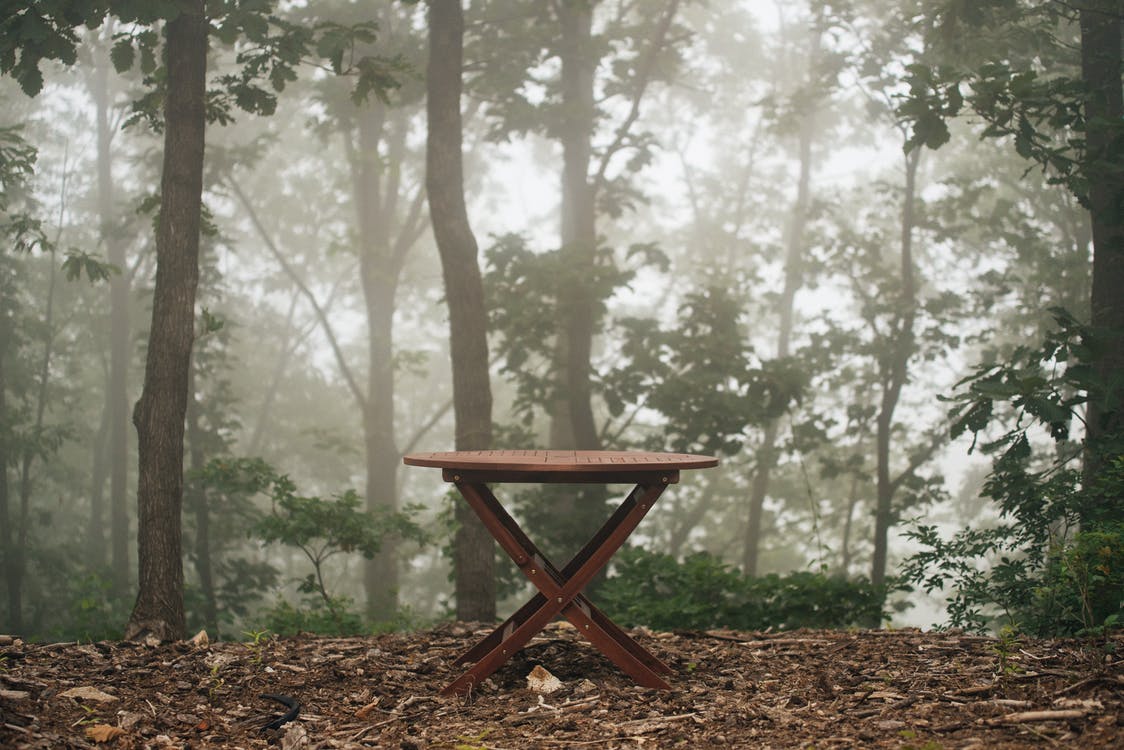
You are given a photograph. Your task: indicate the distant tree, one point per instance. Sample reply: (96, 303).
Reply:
(32, 33)
(473, 548)
(1071, 123)
(541, 67)
(115, 447)
(806, 104)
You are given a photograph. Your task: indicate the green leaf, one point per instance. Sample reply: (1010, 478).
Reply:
(122, 55)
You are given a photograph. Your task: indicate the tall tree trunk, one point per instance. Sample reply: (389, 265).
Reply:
(1104, 108)
(159, 414)
(117, 384)
(473, 548)
(13, 622)
(96, 554)
(30, 451)
(845, 552)
(379, 280)
(766, 453)
(199, 505)
(894, 375)
(578, 230)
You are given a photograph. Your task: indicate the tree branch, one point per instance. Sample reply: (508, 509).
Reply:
(352, 384)
(643, 78)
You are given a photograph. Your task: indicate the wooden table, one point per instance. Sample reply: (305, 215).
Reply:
(560, 589)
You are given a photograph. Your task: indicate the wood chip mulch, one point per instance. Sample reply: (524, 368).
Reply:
(899, 689)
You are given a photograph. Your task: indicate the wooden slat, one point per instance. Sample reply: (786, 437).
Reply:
(560, 461)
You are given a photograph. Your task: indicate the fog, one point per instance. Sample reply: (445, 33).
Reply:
(777, 276)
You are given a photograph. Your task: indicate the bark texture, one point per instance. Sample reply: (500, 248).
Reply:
(474, 550)
(159, 414)
(1104, 109)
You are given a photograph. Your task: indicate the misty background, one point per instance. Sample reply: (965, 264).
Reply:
(754, 202)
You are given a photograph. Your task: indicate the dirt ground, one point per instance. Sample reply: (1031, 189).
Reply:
(899, 689)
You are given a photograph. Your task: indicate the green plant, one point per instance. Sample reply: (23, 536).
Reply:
(1054, 563)
(258, 641)
(336, 617)
(702, 592)
(91, 716)
(1006, 645)
(215, 684)
(321, 529)
(475, 742)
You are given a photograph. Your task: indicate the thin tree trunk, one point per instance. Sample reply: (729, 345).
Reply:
(578, 230)
(1104, 107)
(845, 552)
(29, 452)
(117, 383)
(14, 621)
(199, 504)
(379, 280)
(159, 414)
(894, 375)
(99, 471)
(766, 453)
(473, 548)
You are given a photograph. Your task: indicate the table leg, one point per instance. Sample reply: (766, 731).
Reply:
(559, 592)
(591, 611)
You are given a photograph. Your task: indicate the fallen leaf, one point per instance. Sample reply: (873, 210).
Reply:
(366, 711)
(542, 681)
(200, 640)
(14, 695)
(104, 732)
(89, 694)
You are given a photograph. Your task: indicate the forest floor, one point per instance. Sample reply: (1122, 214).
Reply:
(803, 689)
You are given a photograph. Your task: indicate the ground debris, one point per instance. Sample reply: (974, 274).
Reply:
(730, 689)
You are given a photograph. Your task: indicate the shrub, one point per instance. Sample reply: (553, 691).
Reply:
(702, 592)
(1054, 564)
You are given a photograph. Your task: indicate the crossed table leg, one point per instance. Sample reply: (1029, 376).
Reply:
(560, 590)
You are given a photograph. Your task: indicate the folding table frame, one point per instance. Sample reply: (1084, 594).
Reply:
(560, 591)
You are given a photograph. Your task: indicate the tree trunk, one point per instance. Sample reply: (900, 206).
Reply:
(159, 414)
(578, 230)
(473, 548)
(117, 384)
(13, 623)
(1104, 108)
(379, 279)
(96, 555)
(793, 273)
(894, 375)
(198, 503)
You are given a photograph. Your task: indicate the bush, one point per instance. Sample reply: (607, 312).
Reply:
(1054, 564)
(702, 592)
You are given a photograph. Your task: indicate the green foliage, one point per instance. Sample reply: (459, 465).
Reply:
(332, 617)
(524, 291)
(1017, 67)
(93, 613)
(268, 50)
(78, 263)
(1052, 565)
(701, 376)
(702, 592)
(33, 31)
(321, 529)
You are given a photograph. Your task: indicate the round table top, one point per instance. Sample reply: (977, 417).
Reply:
(560, 461)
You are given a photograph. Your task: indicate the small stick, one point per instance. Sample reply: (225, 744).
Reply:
(1031, 716)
